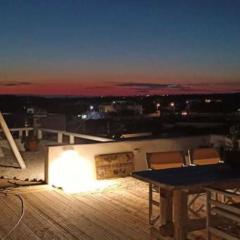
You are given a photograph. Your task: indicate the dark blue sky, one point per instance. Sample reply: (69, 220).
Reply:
(98, 47)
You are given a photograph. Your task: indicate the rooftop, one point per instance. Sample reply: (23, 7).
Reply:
(117, 212)
(115, 209)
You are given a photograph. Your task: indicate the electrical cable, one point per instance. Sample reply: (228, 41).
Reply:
(6, 193)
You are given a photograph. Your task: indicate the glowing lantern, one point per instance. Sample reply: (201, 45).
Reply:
(73, 173)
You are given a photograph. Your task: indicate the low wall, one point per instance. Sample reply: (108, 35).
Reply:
(84, 155)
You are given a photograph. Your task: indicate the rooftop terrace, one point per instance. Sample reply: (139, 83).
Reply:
(117, 209)
(117, 212)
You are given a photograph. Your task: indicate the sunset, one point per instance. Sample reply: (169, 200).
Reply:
(92, 48)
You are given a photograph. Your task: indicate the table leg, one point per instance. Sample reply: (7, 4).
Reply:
(150, 204)
(180, 214)
(165, 207)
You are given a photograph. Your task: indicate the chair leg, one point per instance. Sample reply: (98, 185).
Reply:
(150, 198)
(209, 235)
(208, 211)
(152, 202)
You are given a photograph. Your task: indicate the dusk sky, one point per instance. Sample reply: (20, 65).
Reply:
(119, 47)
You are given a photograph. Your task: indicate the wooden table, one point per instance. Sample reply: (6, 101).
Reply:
(177, 183)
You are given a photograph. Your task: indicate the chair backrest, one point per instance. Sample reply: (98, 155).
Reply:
(205, 156)
(163, 160)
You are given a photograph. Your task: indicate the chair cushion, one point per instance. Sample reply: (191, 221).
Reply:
(163, 160)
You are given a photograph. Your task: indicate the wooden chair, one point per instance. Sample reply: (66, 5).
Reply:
(204, 156)
(223, 219)
(161, 160)
(201, 156)
(164, 160)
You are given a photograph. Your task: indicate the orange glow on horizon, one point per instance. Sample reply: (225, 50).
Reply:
(109, 89)
(127, 84)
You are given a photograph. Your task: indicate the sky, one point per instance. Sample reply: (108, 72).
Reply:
(112, 47)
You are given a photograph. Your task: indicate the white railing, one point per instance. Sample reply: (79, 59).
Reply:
(217, 140)
(59, 134)
(21, 131)
(71, 136)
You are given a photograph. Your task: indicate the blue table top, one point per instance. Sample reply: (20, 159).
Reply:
(190, 177)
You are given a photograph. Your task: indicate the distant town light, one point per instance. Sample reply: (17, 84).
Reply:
(158, 105)
(91, 107)
(184, 113)
(172, 104)
(207, 100)
(26, 124)
(84, 116)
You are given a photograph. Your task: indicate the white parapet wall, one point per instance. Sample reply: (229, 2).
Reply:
(75, 164)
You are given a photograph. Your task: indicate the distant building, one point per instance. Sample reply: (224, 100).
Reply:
(93, 115)
(106, 108)
(54, 121)
(35, 110)
(121, 107)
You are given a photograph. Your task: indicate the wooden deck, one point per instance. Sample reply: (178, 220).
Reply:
(118, 212)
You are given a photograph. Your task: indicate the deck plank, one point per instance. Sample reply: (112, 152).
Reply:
(39, 224)
(132, 225)
(118, 212)
(9, 218)
(57, 216)
(115, 228)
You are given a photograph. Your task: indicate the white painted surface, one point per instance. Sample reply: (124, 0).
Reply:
(139, 148)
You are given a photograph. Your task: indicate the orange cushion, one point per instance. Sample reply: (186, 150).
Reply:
(204, 156)
(163, 160)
